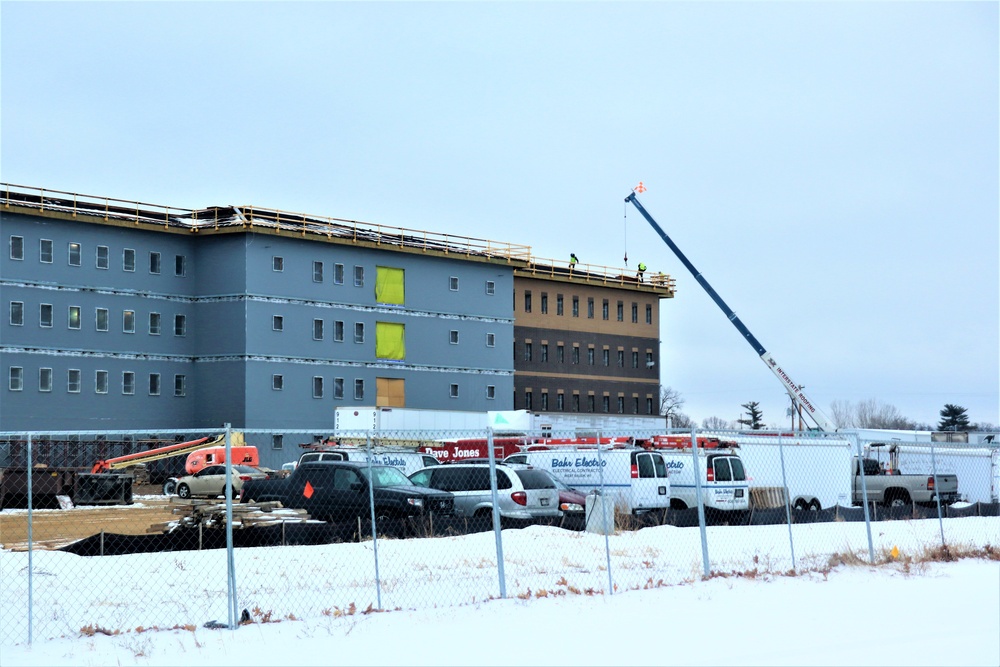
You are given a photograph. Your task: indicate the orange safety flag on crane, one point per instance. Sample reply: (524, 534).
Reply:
(639, 188)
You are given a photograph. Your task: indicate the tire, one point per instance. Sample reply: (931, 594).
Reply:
(184, 491)
(390, 524)
(677, 505)
(800, 505)
(899, 499)
(814, 506)
(170, 487)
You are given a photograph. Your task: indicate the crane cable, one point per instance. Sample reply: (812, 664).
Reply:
(625, 228)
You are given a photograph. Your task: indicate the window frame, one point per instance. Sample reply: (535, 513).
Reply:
(180, 325)
(180, 385)
(453, 390)
(277, 382)
(453, 337)
(19, 255)
(491, 287)
(128, 260)
(154, 324)
(45, 249)
(318, 386)
(277, 263)
(359, 389)
(319, 326)
(74, 380)
(74, 253)
(42, 307)
(453, 283)
(15, 378)
(338, 389)
(277, 322)
(155, 263)
(338, 331)
(42, 386)
(100, 313)
(154, 384)
(16, 314)
(180, 266)
(317, 271)
(359, 275)
(128, 321)
(99, 377)
(105, 256)
(79, 318)
(491, 339)
(359, 332)
(128, 383)
(338, 274)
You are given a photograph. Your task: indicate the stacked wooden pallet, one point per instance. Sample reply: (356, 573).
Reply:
(212, 514)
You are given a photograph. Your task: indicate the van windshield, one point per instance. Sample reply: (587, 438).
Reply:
(385, 476)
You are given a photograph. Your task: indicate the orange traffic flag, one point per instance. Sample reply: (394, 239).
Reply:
(639, 188)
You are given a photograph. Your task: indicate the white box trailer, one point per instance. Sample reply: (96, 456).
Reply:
(573, 424)
(977, 468)
(407, 419)
(635, 479)
(817, 471)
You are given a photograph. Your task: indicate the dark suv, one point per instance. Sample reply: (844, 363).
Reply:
(337, 491)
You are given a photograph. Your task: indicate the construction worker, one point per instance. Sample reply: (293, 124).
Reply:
(572, 260)
(642, 270)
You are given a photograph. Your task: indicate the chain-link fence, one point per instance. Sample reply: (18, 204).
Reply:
(120, 531)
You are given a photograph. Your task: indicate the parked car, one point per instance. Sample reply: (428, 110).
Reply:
(522, 494)
(571, 501)
(210, 482)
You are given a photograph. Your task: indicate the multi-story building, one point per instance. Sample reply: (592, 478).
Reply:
(587, 339)
(130, 316)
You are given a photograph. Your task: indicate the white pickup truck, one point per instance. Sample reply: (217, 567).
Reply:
(886, 485)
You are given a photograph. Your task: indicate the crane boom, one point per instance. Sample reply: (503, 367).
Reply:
(794, 390)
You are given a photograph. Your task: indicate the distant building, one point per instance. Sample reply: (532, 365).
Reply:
(123, 315)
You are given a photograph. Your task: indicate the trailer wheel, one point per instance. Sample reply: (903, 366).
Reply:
(815, 506)
(801, 505)
(184, 491)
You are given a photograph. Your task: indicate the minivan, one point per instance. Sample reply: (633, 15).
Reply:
(521, 493)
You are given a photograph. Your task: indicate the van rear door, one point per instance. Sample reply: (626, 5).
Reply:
(650, 483)
(729, 489)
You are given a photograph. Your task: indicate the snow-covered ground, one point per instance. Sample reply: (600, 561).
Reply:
(443, 593)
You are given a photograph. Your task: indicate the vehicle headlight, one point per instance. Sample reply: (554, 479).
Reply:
(571, 507)
(416, 502)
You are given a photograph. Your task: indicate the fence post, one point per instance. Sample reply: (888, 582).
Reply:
(700, 500)
(864, 495)
(937, 493)
(233, 619)
(788, 511)
(604, 511)
(496, 513)
(31, 552)
(371, 508)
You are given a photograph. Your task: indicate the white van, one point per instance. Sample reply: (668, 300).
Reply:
(407, 461)
(724, 483)
(638, 480)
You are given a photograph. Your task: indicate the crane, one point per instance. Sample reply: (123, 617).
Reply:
(794, 390)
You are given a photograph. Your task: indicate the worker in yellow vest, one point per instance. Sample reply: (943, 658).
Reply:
(642, 270)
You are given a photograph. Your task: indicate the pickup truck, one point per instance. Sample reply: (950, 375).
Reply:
(337, 491)
(886, 485)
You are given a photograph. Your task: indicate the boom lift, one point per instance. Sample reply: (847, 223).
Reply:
(794, 390)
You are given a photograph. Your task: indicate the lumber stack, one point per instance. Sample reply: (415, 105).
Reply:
(212, 514)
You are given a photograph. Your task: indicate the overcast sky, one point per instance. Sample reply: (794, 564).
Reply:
(831, 168)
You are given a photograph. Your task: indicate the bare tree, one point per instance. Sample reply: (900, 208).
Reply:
(681, 420)
(670, 402)
(842, 413)
(716, 424)
(869, 413)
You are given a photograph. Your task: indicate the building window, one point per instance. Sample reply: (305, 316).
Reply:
(576, 306)
(491, 287)
(180, 266)
(317, 272)
(491, 340)
(527, 351)
(590, 307)
(621, 358)
(128, 383)
(359, 390)
(491, 392)
(649, 360)
(277, 323)
(561, 353)
(559, 304)
(453, 391)
(453, 283)
(604, 309)
(45, 315)
(527, 400)
(45, 251)
(649, 314)
(590, 403)
(635, 405)
(128, 259)
(338, 388)
(17, 313)
(359, 332)
(277, 263)
(338, 274)
(74, 317)
(180, 385)
(621, 311)
(17, 247)
(576, 354)
(154, 262)
(128, 321)
(527, 301)
(154, 384)
(576, 402)
(277, 441)
(545, 401)
(317, 329)
(635, 359)
(605, 404)
(154, 324)
(101, 382)
(277, 382)
(44, 379)
(317, 386)
(73, 381)
(180, 325)
(545, 303)
(102, 319)
(15, 380)
(649, 406)
(103, 257)
(74, 254)
(621, 405)
(590, 356)
(545, 352)
(338, 331)
(359, 276)
(453, 337)
(635, 313)
(606, 356)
